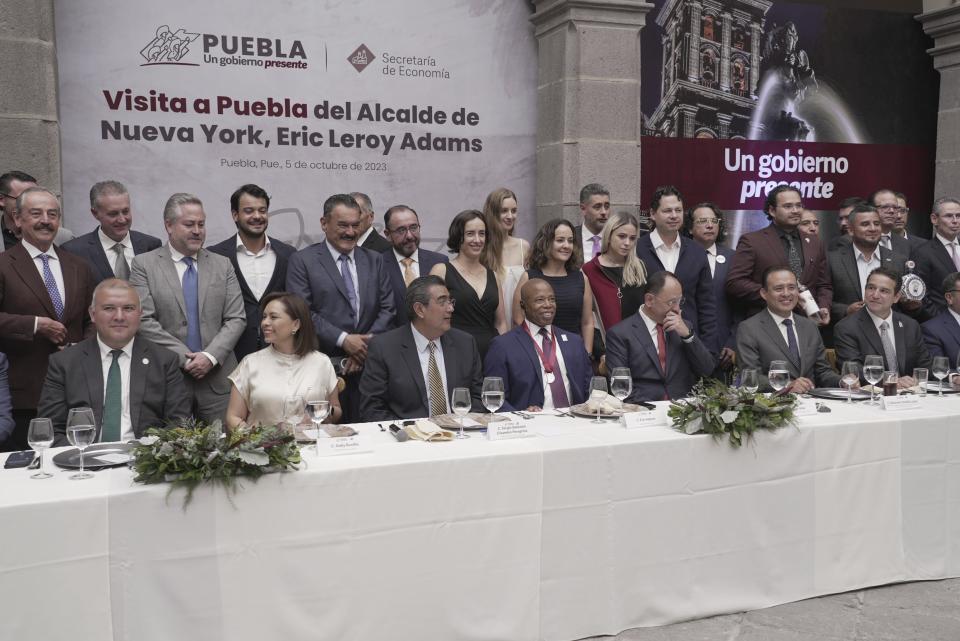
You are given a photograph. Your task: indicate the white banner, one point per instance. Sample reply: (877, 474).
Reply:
(428, 103)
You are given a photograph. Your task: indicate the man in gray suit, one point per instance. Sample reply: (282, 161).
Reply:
(777, 334)
(348, 291)
(129, 382)
(192, 305)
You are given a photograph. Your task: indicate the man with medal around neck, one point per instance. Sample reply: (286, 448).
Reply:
(542, 366)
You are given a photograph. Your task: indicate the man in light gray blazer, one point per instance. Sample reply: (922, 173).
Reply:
(192, 305)
(777, 334)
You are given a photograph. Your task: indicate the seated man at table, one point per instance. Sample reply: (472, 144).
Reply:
(877, 329)
(777, 334)
(542, 366)
(942, 332)
(130, 382)
(664, 355)
(412, 370)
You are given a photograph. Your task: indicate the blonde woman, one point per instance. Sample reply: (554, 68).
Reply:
(504, 254)
(617, 275)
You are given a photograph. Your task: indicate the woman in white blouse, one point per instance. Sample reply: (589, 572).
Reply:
(289, 366)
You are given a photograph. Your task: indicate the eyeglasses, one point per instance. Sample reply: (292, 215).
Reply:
(706, 221)
(949, 216)
(443, 301)
(673, 301)
(890, 208)
(402, 231)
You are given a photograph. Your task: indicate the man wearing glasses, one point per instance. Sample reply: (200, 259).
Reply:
(12, 184)
(404, 260)
(885, 200)
(939, 256)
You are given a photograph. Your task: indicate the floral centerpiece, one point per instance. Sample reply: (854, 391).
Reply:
(191, 452)
(718, 409)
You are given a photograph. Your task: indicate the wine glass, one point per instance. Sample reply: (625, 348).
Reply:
(492, 393)
(461, 407)
(621, 383)
(40, 437)
(293, 409)
(749, 381)
(940, 368)
(598, 392)
(849, 375)
(872, 373)
(779, 375)
(319, 410)
(81, 432)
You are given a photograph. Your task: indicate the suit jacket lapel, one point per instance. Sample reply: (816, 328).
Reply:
(940, 253)
(204, 277)
(526, 345)
(869, 330)
(900, 344)
(648, 245)
(773, 333)
(244, 287)
(27, 270)
(449, 356)
(774, 244)
(93, 373)
(364, 271)
(408, 351)
(139, 365)
(640, 328)
(952, 328)
(169, 271)
(329, 264)
(70, 284)
(849, 260)
(275, 283)
(99, 257)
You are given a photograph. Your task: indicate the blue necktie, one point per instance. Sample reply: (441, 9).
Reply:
(51, 284)
(792, 342)
(348, 281)
(192, 300)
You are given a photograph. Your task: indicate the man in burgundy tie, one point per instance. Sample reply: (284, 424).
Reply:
(542, 366)
(666, 358)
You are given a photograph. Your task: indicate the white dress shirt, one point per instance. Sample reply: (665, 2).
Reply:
(669, 255)
(256, 267)
(561, 366)
(107, 243)
(423, 353)
(54, 263)
(181, 268)
(587, 239)
(106, 359)
(352, 266)
(890, 329)
(651, 328)
(365, 235)
(778, 319)
(864, 266)
(712, 258)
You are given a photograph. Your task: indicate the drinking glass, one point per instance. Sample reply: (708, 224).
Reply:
(890, 383)
(319, 411)
(492, 393)
(40, 437)
(598, 391)
(849, 375)
(749, 381)
(872, 373)
(621, 383)
(81, 432)
(940, 368)
(461, 406)
(921, 375)
(293, 409)
(779, 375)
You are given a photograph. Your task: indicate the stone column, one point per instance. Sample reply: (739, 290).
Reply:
(693, 40)
(754, 58)
(943, 25)
(588, 96)
(724, 120)
(29, 124)
(726, 51)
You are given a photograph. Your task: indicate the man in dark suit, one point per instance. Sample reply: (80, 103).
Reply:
(6, 405)
(942, 332)
(885, 200)
(900, 224)
(369, 238)
(44, 295)
(664, 249)
(259, 261)
(130, 383)
(778, 334)
(110, 248)
(412, 370)
(843, 216)
(348, 291)
(940, 256)
(780, 244)
(666, 358)
(406, 261)
(877, 329)
(594, 210)
(542, 366)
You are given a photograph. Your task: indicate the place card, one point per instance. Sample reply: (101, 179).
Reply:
(356, 444)
(504, 430)
(805, 407)
(906, 402)
(649, 418)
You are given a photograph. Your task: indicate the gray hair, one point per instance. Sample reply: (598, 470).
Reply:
(943, 201)
(593, 189)
(419, 292)
(366, 205)
(33, 190)
(105, 187)
(113, 283)
(171, 211)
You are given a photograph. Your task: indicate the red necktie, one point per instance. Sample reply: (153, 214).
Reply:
(662, 351)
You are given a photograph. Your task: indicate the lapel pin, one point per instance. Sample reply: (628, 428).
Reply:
(721, 258)
(900, 323)
(145, 361)
(563, 337)
(807, 238)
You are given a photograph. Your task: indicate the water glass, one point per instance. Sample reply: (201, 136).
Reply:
(621, 383)
(598, 391)
(872, 373)
(940, 368)
(293, 409)
(40, 437)
(849, 376)
(921, 375)
(492, 393)
(461, 403)
(779, 375)
(81, 432)
(319, 411)
(749, 381)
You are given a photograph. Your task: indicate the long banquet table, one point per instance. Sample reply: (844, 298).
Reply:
(584, 530)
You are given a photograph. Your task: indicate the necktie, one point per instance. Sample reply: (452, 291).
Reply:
(793, 256)
(191, 299)
(408, 274)
(557, 390)
(120, 267)
(954, 256)
(792, 342)
(596, 246)
(348, 281)
(112, 406)
(438, 400)
(51, 286)
(889, 352)
(885, 241)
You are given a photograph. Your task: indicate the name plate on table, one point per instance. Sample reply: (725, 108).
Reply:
(356, 444)
(651, 418)
(894, 403)
(503, 430)
(805, 407)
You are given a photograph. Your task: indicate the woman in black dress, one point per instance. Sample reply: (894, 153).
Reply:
(556, 257)
(476, 288)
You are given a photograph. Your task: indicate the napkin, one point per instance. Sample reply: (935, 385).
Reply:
(425, 430)
(603, 403)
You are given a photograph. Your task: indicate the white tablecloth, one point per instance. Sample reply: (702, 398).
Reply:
(582, 531)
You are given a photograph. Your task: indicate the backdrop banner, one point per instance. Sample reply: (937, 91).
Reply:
(426, 103)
